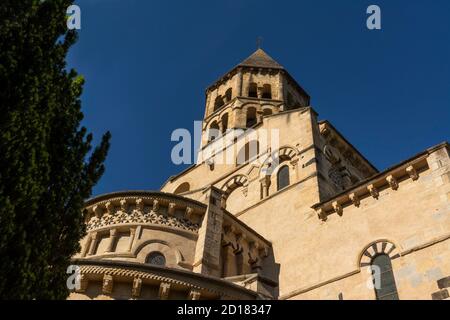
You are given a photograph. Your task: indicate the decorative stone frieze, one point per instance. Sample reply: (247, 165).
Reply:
(370, 188)
(239, 239)
(150, 218)
(333, 138)
(146, 211)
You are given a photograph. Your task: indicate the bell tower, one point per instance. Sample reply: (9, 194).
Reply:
(256, 87)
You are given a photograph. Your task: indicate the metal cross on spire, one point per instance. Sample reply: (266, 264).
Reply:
(259, 42)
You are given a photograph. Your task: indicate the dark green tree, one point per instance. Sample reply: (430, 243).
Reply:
(47, 167)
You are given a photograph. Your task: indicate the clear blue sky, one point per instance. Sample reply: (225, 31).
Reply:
(147, 63)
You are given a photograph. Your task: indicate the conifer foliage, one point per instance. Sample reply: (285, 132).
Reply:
(47, 167)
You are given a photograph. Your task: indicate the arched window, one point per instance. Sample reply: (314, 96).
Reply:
(267, 92)
(224, 122)
(228, 94)
(251, 117)
(248, 152)
(184, 187)
(213, 131)
(267, 112)
(383, 278)
(156, 258)
(218, 103)
(253, 90)
(283, 177)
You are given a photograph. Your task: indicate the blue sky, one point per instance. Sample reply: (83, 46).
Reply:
(147, 64)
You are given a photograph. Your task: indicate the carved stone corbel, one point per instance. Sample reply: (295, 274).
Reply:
(355, 199)
(83, 284)
(263, 252)
(254, 262)
(109, 208)
(189, 212)
(241, 237)
(226, 229)
(337, 207)
(164, 290)
(137, 286)
(321, 214)
(392, 182)
(294, 163)
(373, 191)
(253, 255)
(108, 283)
(238, 244)
(324, 130)
(194, 294)
(155, 207)
(210, 162)
(140, 204)
(123, 205)
(171, 209)
(412, 173)
(98, 211)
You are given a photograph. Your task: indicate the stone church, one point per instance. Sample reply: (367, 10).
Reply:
(309, 219)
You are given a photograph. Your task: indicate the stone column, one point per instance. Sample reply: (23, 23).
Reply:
(93, 244)
(86, 246)
(259, 116)
(229, 261)
(132, 236)
(280, 86)
(112, 240)
(239, 83)
(245, 84)
(265, 183)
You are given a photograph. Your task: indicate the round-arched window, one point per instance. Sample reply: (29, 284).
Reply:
(382, 269)
(283, 177)
(156, 258)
